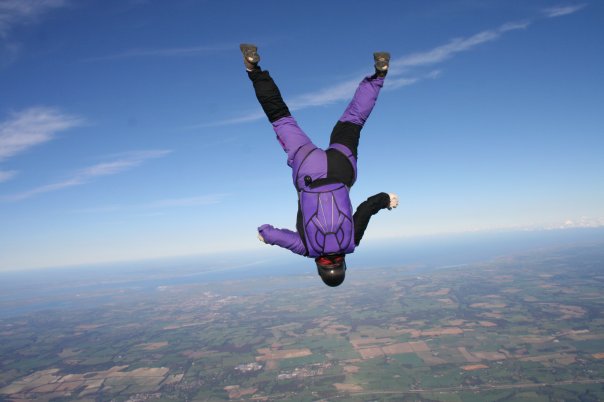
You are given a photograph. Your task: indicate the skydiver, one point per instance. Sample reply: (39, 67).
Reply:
(327, 230)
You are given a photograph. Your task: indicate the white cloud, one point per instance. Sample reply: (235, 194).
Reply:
(83, 176)
(405, 64)
(187, 201)
(183, 202)
(6, 175)
(398, 67)
(125, 162)
(31, 127)
(253, 116)
(581, 222)
(14, 13)
(17, 12)
(559, 11)
(457, 45)
(325, 96)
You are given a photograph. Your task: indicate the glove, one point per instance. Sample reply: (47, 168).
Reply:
(393, 200)
(260, 229)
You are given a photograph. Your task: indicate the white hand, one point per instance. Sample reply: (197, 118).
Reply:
(393, 201)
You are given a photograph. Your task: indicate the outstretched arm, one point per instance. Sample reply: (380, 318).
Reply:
(282, 238)
(368, 208)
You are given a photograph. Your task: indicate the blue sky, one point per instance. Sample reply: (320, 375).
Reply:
(129, 129)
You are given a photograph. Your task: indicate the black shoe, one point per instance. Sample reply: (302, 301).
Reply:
(250, 55)
(382, 62)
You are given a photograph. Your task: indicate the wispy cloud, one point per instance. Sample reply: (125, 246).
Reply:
(400, 74)
(251, 116)
(16, 12)
(182, 202)
(6, 175)
(83, 176)
(345, 90)
(454, 46)
(399, 82)
(319, 98)
(403, 70)
(207, 199)
(31, 127)
(559, 11)
(326, 96)
(163, 52)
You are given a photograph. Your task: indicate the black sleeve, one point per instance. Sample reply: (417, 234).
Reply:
(365, 211)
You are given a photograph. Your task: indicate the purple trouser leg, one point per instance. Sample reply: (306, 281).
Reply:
(304, 157)
(290, 136)
(364, 99)
(345, 135)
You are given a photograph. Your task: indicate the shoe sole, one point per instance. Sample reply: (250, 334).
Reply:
(250, 53)
(382, 61)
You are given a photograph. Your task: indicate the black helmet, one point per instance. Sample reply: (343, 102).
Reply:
(332, 269)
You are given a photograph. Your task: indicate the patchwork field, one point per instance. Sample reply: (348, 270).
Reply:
(529, 327)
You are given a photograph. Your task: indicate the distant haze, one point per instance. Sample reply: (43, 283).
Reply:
(93, 284)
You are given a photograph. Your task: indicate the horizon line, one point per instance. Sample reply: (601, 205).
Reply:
(499, 230)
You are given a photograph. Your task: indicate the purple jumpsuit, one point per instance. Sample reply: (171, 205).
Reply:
(305, 158)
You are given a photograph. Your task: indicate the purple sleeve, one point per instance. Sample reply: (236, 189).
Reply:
(282, 238)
